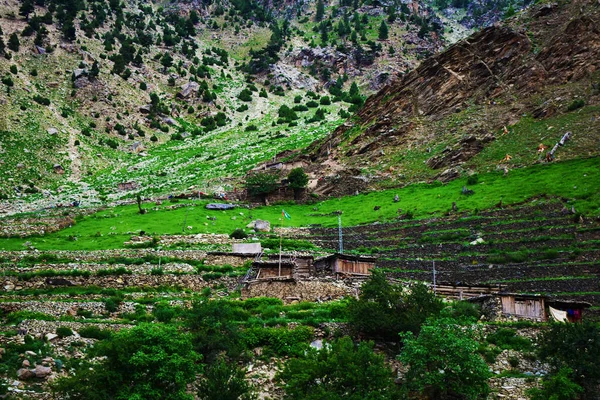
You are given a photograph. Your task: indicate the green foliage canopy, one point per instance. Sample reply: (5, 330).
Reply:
(146, 362)
(444, 362)
(340, 369)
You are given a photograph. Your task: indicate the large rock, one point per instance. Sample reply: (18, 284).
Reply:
(79, 72)
(42, 372)
(262, 226)
(25, 374)
(188, 89)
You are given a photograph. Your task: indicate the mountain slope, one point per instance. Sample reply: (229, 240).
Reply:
(503, 91)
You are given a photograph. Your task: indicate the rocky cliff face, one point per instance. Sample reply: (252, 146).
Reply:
(534, 65)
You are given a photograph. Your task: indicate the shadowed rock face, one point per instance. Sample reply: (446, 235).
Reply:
(500, 68)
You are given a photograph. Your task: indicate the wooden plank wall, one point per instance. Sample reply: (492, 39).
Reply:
(354, 267)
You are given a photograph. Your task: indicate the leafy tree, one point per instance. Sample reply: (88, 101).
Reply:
(383, 31)
(297, 180)
(213, 329)
(444, 363)
(262, 184)
(224, 381)
(13, 42)
(576, 346)
(320, 11)
(383, 310)
(146, 362)
(339, 370)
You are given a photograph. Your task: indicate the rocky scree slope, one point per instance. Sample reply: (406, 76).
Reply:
(503, 91)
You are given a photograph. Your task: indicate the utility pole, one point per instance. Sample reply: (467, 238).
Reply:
(434, 285)
(340, 233)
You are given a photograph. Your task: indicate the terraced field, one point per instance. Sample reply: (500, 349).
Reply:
(539, 247)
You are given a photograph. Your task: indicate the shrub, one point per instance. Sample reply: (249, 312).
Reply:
(506, 339)
(282, 341)
(163, 312)
(63, 331)
(223, 380)
(576, 104)
(238, 233)
(325, 101)
(472, 179)
(245, 95)
(93, 332)
(340, 370)
(41, 100)
(7, 80)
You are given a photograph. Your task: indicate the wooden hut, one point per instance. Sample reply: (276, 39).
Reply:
(541, 308)
(346, 265)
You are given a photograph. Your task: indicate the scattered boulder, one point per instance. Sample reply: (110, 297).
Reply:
(52, 131)
(42, 372)
(58, 169)
(262, 226)
(25, 374)
(188, 89)
(79, 72)
(448, 175)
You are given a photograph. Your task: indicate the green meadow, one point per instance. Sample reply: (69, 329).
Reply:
(577, 182)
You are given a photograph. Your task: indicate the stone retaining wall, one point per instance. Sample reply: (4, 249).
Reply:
(289, 291)
(192, 282)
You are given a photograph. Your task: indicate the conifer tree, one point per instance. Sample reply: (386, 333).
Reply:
(383, 31)
(320, 11)
(13, 42)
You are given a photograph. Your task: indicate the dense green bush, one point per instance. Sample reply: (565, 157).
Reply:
(574, 346)
(238, 233)
(340, 370)
(443, 361)
(149, 361)
(214, 330)
(506, 338)
(559, 386)
(64, 331)
(224, 381)
(282, 341)
(94, 332)
(383, 310)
